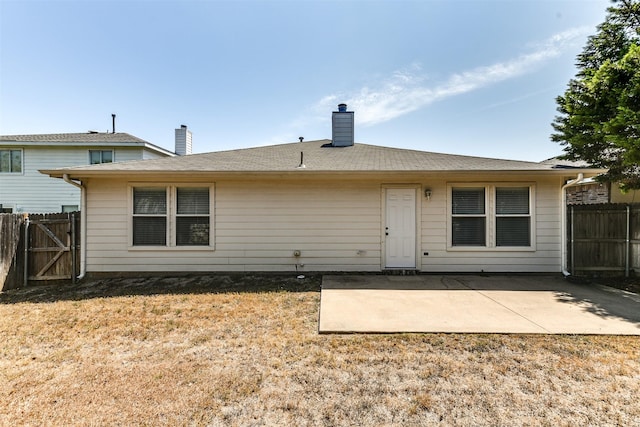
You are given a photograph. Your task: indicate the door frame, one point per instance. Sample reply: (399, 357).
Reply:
(383, 215)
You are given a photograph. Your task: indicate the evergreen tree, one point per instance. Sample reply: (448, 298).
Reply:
(599, 119)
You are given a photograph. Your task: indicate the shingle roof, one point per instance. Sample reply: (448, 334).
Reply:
(91, 137)
(318, 156)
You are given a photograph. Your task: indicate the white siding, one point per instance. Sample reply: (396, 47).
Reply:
(336, 225)
(34, 192)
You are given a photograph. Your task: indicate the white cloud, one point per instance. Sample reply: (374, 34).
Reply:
(405, 91)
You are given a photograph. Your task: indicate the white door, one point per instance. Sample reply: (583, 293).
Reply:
(400, 228)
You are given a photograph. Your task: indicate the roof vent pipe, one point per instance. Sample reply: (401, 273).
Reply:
(113, 122)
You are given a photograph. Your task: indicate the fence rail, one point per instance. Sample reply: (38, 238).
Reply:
(604, 239)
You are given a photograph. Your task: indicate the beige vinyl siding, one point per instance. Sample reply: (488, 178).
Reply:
(31, 191)
(257, 227)
(545, 256)
(336, 224)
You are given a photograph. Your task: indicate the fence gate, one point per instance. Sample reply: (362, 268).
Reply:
(51, 250)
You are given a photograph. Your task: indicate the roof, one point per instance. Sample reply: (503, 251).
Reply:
(559, 162)
(317, 156)
(81, 139)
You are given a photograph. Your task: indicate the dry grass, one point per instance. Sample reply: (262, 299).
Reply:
(255, 358)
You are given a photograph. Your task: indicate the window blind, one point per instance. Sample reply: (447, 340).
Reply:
(467, 201)
(150, 200)
(512, 200)
(513, 231)
(193, 201)
(468, 231)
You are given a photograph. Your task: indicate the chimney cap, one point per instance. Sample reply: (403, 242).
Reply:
(342, 108)
(183, 126)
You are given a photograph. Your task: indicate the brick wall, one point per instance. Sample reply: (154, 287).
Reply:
(588, 194)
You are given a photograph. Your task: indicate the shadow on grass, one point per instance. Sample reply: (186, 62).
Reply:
(164, 285)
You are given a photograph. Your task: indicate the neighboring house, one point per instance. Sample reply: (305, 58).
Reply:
(589, 191)
(24, 189)
(323, 206)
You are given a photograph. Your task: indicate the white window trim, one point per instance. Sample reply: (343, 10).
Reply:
(21, 150)
(113, 155)
(490, 215)
(171, 216)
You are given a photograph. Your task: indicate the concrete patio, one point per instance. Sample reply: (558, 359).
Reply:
(474, 304)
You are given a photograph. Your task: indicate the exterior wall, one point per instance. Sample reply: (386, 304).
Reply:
(588, 194)
(335, 223)
(544, 257)
(148, 155)
(33, 192)
(617, 196)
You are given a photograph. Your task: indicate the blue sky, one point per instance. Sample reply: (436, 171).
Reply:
(464, 77)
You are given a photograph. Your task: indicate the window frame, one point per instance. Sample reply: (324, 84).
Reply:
(7, 208)
(69, 208)
(484, 215)
(113, 156)
(171, 217)
(10, 150)
(492, 216)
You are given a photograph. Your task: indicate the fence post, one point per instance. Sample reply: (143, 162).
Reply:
(25, 280)
(627, 251)
(572, 242)
(72, 218)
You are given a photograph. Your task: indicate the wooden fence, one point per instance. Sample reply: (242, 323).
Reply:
(604, 239)
(37, 248)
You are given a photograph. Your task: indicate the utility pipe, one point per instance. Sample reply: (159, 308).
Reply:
(83, 224)
(563, 221)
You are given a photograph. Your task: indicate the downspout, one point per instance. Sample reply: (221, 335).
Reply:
(83, 224)
(563, 221)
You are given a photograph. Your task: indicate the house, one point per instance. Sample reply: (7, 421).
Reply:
(24, 189)
(327, 205)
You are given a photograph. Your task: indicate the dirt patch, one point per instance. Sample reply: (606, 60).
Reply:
(159, 285)
(629, 284)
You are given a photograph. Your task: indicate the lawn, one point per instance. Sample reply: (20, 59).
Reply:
(219, 350)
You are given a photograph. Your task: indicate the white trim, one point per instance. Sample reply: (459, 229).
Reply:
(490, 217)
(22, 168)
(102, 150)
(171, 191)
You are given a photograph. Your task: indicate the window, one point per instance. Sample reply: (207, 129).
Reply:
(10, 161)
(171, 216)
(149, 216)
(192, 217)
(6, 209)
(100, 156)
(69, 208)
(468, 223)
(491, 216)
(513, 221)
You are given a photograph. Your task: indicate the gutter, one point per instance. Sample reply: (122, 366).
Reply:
(83, 224)
(563, 221)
